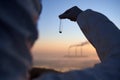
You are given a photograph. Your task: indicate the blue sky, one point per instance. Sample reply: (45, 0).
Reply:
(48, 23)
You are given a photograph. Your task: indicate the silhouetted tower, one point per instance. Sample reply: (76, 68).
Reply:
(81, 51)
(77, 45)
(75, 50)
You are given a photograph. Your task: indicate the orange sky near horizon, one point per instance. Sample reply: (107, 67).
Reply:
(60, 48)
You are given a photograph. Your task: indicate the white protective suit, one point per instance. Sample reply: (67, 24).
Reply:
(105, 37)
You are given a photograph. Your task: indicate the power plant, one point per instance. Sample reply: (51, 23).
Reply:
(76, 50)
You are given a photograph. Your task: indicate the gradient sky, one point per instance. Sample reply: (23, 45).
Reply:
(51, 41)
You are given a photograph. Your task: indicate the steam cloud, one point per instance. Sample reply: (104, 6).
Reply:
(81, 44)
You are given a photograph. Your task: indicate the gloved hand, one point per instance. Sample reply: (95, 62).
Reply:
(71, 13)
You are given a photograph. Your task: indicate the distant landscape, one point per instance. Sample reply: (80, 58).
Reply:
(62, 63)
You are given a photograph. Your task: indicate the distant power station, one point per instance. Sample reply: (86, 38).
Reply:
(76, 51)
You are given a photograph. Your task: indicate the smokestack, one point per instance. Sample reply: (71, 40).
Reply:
(77, 45)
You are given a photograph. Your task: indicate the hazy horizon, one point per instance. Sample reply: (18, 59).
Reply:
(59, 61)
(62, 63)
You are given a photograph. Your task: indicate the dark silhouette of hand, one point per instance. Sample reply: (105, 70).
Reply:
(38, 72)
(71, 13)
